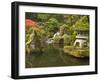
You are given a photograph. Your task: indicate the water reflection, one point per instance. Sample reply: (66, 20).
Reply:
(51, 56)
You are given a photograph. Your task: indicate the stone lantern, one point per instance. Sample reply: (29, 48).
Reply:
(81, 38)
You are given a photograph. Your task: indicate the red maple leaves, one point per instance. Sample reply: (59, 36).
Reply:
(30, 23)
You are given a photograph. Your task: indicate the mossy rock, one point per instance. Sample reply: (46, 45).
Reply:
(76, 52)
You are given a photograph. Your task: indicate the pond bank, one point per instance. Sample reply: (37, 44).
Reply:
(77, 52)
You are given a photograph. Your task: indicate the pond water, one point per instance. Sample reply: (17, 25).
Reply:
(53, 56)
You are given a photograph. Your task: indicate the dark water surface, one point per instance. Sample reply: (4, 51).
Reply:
(52, 56)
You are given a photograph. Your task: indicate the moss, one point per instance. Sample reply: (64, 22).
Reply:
(77, 52)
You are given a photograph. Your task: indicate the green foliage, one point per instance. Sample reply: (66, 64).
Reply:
(43, 17)
(31, 16)
(63, 29)
(36, 35)
(82, 23)
(67, 39)
(49, 24)
(54, 22)
(52, 25)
